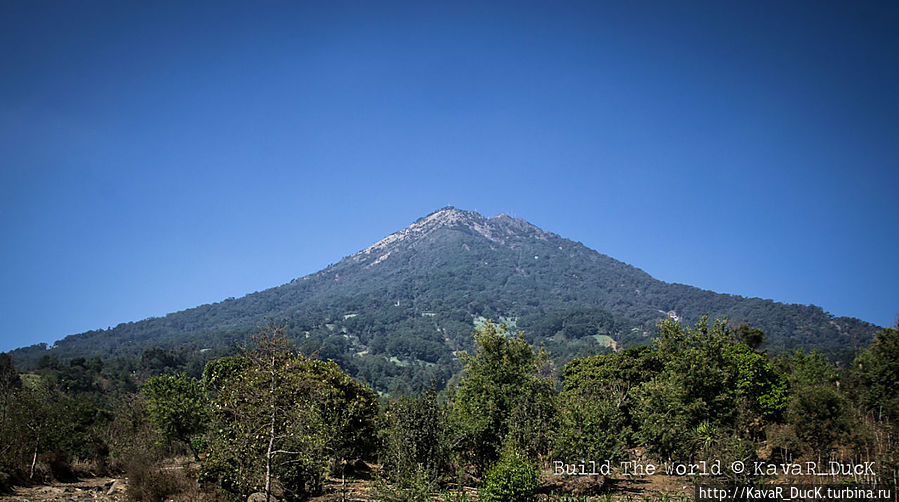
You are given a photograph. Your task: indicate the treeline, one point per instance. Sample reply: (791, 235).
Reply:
(272, 420)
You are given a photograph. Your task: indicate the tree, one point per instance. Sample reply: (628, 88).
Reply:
(596, 403)
(36, 421)
(218, 373)
(817, 414)
(708, 381)
(876, 371)
(819, 417)
(590, 427)
(281, 420)
(502, 400)
(416, 438)
(10, 383)
(9, 377)
(758, 383)
(177, 408)
(752, 337)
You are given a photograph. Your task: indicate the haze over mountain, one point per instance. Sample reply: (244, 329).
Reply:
(399, 309)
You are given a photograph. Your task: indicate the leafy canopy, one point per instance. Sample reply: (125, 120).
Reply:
(177, 407)
(502, 399)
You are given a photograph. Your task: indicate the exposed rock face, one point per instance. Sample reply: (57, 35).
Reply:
(496, 229)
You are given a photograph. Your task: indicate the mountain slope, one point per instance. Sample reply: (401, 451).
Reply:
(399, 308)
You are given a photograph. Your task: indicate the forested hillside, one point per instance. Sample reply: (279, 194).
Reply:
(395, 313)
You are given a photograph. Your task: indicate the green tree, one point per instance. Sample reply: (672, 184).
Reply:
(281, 420)
(749, 336)
(710, 378)
(596, 403)
(502, 399)
(37, 424)
(817, 414)
(758, 382)
(10, 383)
(591, 426)
(9, 377)
(415, 440)
(177, 408)
(218, 373)
(876, 373)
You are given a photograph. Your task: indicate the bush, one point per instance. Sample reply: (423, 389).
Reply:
(148, 482)
(130, 435)
(414, 486)
(513, 479)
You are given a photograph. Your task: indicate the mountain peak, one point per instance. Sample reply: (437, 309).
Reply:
(448, 216)
(458, 266)
(497, 229)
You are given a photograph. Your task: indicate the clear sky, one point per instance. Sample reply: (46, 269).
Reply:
(155, 156)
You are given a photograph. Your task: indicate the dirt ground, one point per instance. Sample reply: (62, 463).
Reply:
(108, 489)
(90, 489)
(652, 486)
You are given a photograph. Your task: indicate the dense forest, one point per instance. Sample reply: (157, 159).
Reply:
(396, 314)
(277, 421)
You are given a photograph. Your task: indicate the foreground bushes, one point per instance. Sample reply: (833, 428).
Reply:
(149, 481)
(275, 421)
(514, 478)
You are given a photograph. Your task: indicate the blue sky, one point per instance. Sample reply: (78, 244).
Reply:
(162, 155)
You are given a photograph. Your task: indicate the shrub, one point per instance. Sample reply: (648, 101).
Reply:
(414, 486)
(148, 482)
(130, 435)
(513, 479)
